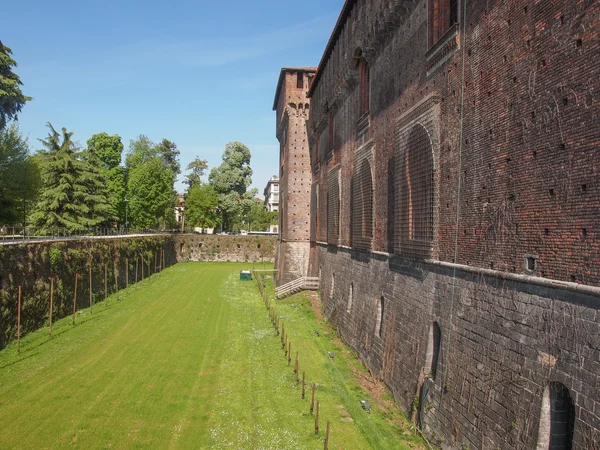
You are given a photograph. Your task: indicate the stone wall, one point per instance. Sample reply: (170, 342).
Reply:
(32, 265)
(503, 339)
(236, 248)
(293, 261)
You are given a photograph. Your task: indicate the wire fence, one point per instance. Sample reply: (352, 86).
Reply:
(27, 234)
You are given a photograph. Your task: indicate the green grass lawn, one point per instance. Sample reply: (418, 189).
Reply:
(187, 359)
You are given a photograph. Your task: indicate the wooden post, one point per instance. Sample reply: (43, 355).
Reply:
(126, 272)
(75, 297)
(303, 384)
(136, 268)
(155, 261)
(317, 419)
(296, 368)
(105, 282)
(283, 335)
(90, 288)
(290, 353)
(116, 275)
(19, 321)
(312, 399)
(327, 437)
(51, 294)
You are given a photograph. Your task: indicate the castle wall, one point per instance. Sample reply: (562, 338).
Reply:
(467, 196)
(502, 342)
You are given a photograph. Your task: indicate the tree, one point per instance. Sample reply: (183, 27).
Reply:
(72, 196)
(201, 206)
(150, 181)
(231, 180)
(169, 154)
(197, 166)
(234, 174)
(260, 219)
(12, 98)
(97, 197)
(150, 187)
(19, 176)
(108, 150)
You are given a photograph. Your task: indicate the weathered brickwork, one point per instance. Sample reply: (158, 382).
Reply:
(474, 292)
(293, 107)
(529, 156)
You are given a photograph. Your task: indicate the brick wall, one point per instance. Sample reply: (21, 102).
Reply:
(515, 207)
(293, 108)
(529, 171)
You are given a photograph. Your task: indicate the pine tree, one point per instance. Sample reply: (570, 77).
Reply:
(97, 195)
(71, 196)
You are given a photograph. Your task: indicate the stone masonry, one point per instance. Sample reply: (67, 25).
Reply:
(454, 211)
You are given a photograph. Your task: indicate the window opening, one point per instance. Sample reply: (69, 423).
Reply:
(300, 80)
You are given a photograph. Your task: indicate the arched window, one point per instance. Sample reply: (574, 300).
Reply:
(350, 295)
(433, 349)
(557, 419)
(364, 86)
(417, 194)
(362, 204)
(333, 206)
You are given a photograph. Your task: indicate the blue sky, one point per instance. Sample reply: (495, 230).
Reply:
(198, 73)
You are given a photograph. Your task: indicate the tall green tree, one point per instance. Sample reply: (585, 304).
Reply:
(198, 167)
(230, 180)
(150, 181)
(19, 177)
(108, 151)
(71, 196)
(234, 174)
(12, 98)
(201, 206)
(170, 155)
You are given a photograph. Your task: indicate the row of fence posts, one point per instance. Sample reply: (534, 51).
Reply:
(286, 345)
(116, 273)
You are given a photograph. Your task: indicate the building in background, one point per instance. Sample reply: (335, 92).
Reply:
(292, 107)
(271, 194)
(180, 209)
(451, 164)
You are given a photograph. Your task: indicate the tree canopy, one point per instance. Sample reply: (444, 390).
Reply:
(150, 180)
(19, 176)
(198, 167)
(12, 98)
(201, 206)
(73, 194)
(108, 151)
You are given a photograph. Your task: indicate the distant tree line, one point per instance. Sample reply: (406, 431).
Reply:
(64, 185)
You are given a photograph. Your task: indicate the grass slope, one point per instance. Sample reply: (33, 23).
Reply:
(186, 359)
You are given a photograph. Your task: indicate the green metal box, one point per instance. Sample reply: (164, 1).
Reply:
(245, 275)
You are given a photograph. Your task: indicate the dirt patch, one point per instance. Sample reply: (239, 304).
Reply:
(315, 304)
(379, 392)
